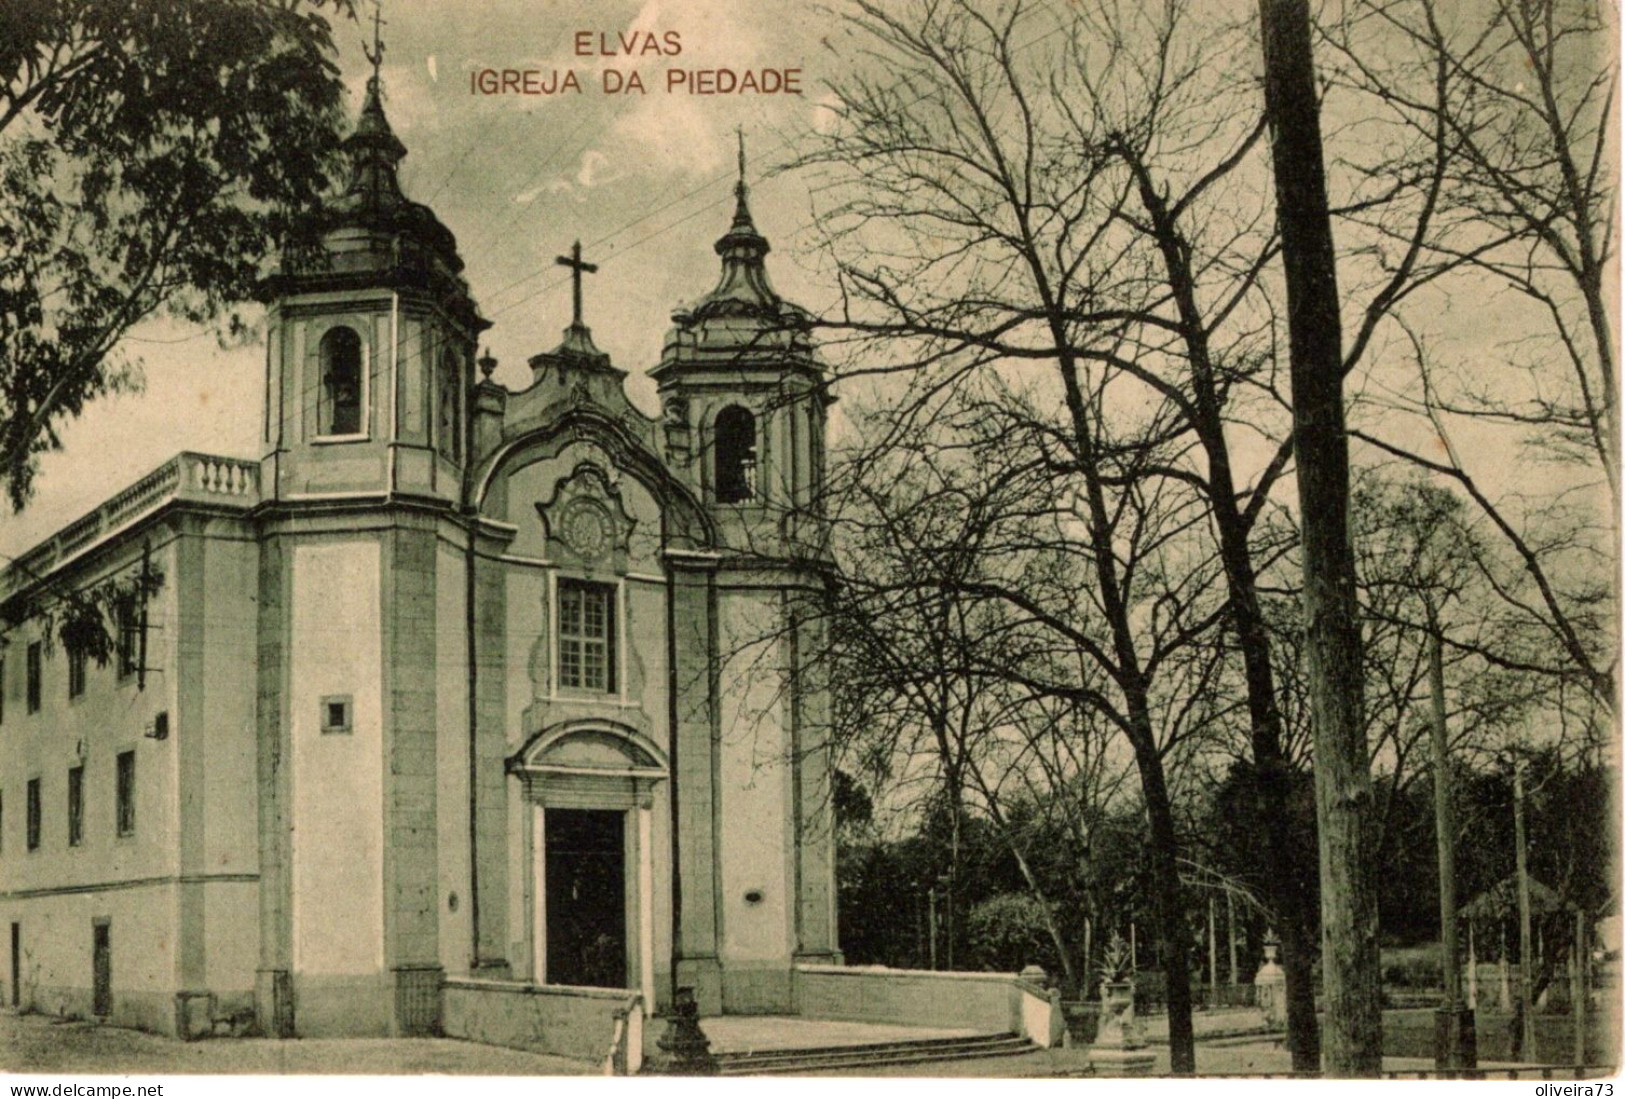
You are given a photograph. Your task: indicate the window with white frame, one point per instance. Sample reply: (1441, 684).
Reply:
(586, 636)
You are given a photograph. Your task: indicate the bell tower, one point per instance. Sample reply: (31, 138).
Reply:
(362, 688)
(743, 402)
(372, 335)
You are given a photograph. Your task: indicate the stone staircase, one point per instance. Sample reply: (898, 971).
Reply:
(919, 1051)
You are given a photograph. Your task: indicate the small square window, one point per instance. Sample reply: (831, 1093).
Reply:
(337, 712)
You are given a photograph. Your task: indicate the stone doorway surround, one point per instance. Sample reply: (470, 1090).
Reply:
(597, 766)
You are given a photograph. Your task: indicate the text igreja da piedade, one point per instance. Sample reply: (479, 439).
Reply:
(629, 79)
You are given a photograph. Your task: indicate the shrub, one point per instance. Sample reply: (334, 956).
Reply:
(1007, 932)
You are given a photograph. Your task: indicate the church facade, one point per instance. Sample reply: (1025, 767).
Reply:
(455, 681)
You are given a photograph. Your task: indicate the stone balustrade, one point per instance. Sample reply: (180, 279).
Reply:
(207, 478)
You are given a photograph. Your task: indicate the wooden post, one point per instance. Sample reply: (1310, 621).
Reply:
(1577, 989)
(1506, 972)
(1212, 954)
(1526, 946)
(919, 933)
(1455, 1039)
(1472, 968)
(932, 900)
(1230, 929)
(1133, 946)
(1085, 971)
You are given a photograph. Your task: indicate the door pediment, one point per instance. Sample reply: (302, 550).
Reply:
(589, 765)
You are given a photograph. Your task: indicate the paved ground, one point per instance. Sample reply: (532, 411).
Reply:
(39, 1044)
(1226, 1023)
(1229, 1058)
(746, 1033)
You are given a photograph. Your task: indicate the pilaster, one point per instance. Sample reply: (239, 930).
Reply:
(411, 878)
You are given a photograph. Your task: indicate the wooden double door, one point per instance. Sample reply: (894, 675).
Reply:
(585, 874)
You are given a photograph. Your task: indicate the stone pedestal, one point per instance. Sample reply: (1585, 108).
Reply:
(683, 1049)
(1455, 1038)
(1122, 1062)
(1119, 1047)
(1270, 986)
(194, 1015)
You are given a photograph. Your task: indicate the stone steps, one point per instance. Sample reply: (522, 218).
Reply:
(872, 1054)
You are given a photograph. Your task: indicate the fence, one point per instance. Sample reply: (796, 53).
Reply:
(1151, 994)
(1522, 1072)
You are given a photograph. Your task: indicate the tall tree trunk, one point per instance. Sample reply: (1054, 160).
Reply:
(1168, 899)
(1173, 932)
(1353, 1037)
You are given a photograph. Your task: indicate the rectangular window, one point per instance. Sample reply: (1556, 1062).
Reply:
(586, 636)
(33, 814)
(126, 793)
(76, 672)
(129, 638)
(36, 674)
(76, 805)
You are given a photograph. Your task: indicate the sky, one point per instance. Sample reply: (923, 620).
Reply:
(643, 181)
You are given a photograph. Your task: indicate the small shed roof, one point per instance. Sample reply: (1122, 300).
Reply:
(1500, 901)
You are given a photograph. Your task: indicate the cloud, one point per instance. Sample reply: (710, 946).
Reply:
(595, 169)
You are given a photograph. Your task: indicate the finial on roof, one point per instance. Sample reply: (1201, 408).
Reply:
(742, 222)
(744, 280)
(376, 53)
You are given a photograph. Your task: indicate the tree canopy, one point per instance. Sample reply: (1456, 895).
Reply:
(153, 157)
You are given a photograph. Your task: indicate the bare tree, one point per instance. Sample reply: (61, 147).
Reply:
(1518, 96)
(986, 626)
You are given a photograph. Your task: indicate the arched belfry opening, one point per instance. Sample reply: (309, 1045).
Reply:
(340, 412)
(736, 455)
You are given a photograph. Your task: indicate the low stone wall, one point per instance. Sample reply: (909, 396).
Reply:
(989, 1002)
(581, 1023)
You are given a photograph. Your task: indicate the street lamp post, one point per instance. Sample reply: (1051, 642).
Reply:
(1455, 1036)
(1526, 975)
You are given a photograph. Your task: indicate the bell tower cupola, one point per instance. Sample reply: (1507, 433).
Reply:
(372, 336)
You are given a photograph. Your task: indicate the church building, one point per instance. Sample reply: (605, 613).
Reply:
(454, 683)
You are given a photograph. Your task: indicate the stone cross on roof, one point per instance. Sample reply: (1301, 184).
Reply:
(574, 262)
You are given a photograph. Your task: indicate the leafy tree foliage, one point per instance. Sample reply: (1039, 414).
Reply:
(1007, 933)
(152, 157)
